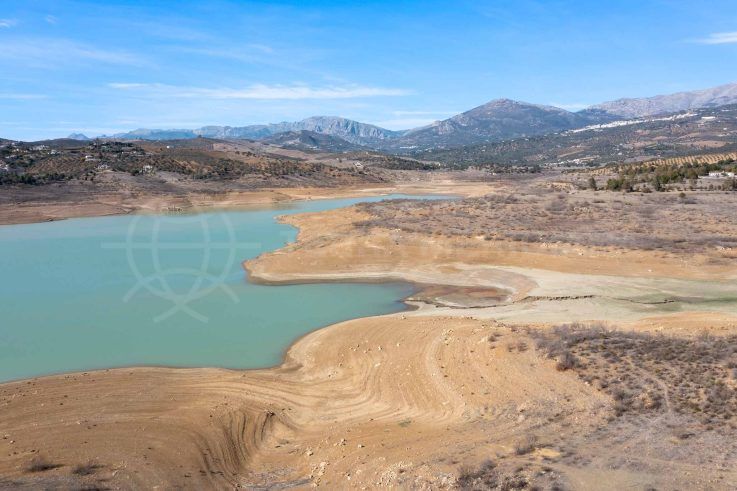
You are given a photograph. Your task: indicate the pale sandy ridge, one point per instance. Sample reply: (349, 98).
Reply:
(541, 283)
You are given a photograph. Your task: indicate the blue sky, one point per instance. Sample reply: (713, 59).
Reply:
(102, 67)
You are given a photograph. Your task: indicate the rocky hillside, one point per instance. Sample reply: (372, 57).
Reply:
(349, 130)
(662, 104)
(500, 119)
(311, 141)
(706, 130)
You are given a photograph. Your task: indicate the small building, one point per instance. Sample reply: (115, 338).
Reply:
(103, 167)
(4, 168)
(90, 158)
(39, 148)
(148, 169)
(720, 174)
(358, 165)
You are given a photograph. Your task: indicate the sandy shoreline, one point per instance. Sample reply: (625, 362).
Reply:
(109, 204)
(399, 400)
(217, 428)
(542, 283)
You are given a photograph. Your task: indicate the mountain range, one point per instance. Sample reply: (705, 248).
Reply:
(346, 129)
(498, 120)
(662, 104)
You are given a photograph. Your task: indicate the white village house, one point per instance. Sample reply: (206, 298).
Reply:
(720, 174)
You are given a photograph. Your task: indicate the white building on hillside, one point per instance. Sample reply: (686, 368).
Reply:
(720, 174)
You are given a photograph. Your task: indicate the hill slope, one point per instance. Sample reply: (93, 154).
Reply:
(347, 129)
(662, 104)
(500, 119)
(310, 140)
(705, 130)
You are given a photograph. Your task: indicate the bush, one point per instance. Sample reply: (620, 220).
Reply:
(86, 469)
(526, 445)
(566, 361)
(40, 464)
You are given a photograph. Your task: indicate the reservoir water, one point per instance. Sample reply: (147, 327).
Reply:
(104, 292)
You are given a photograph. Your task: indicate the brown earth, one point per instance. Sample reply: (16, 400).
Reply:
(378, 401)
(404, 400)
(46, 203)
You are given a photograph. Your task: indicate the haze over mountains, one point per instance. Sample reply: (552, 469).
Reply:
(349, 130)
(498, 120)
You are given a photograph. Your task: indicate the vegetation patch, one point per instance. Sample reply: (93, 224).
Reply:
(40, 464)
(651, 373)
(530, 214)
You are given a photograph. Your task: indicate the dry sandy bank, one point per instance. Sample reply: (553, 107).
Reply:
(544, 283)
(65, 206)
(372, 402)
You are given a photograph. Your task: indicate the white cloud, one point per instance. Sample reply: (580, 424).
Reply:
(51, 19)
(261, 47)
(20, 97)
(719, 38)
(177, 32)
(8, 23)
(50, 52)
(259, 91)
(125, 86)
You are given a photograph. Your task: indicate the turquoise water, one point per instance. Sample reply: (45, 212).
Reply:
(103, 292)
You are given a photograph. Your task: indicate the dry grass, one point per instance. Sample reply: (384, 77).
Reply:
(86, 469)
(663, 221)
(647, 373)
(525, 445)
(40, 464)
(507, 476)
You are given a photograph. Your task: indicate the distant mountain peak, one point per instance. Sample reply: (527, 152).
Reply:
(78, 136)
(670, 103)
(498, 119)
